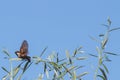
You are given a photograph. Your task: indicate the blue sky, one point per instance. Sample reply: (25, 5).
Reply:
(60, 25)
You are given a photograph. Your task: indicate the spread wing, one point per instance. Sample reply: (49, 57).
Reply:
(24, 48)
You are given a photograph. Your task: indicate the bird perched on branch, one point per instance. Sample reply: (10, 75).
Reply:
(23, 51)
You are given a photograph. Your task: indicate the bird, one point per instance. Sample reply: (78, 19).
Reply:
(22, 53)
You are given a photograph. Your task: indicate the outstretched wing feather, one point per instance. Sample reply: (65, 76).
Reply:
(24, 48)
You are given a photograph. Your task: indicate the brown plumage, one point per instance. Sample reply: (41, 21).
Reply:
(23, 51)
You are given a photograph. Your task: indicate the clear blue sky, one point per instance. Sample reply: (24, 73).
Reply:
(60, 25)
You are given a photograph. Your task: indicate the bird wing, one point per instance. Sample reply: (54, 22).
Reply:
(24, 48)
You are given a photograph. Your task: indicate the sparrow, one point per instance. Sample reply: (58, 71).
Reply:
(23, 51)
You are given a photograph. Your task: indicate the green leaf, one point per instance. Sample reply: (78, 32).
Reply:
(61, 75)
(54, 64)
(5, 69)
(16, 70)
(68, 70)
(24, 69)
(51, 56)
(57, 58)
(98, 51)
(94, 39)
(5, 77)
(103, 73)
(101, 35)
(100, 60)
(93, 55)
(20, 76)
(76, 51)
(114, 29)
(62, 60)
(38, 60)
(70, 60)
(6, 52)
(81, 58)
(102, 77)
(71, 68)
(43, 51)
(74, 75)
(27, 65)
(104, 41)
(81, 75)
(68, 56)
(15, 59)
(106, 25)
(45, 67)
(47, 74)
(40, 77)
(110, 53)
(107, 59)
(79, 67)
(55, 73)
(109, 21)
(106, 69)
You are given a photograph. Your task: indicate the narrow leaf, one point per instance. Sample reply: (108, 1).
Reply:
(107, 59)
(106, 69)
(101, 35)
(27, 65)
(74, 75)
(70, 60)
(40, 77)
(105, 25)
(67, 54)
(5, 69)
(19, 77)
(62, 60)
(82, 74)
(43, 51)
(16, 70)
(55, 73)
(79, 67)
(103, 73)
(93, 55)
(15, 59)
(76, 51)
(71, 68)
(104, 41)
(114, 29)
(98, 51)
(68, 57)
(109, 21)
(6, 52)
(94, 39)
(111, 53)
(57, 58)
(24, 69)
(45, 67)
(81, 58)
(61, 75)
(5, 77)
(68, 70)
(102, 77)
(47, 74)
